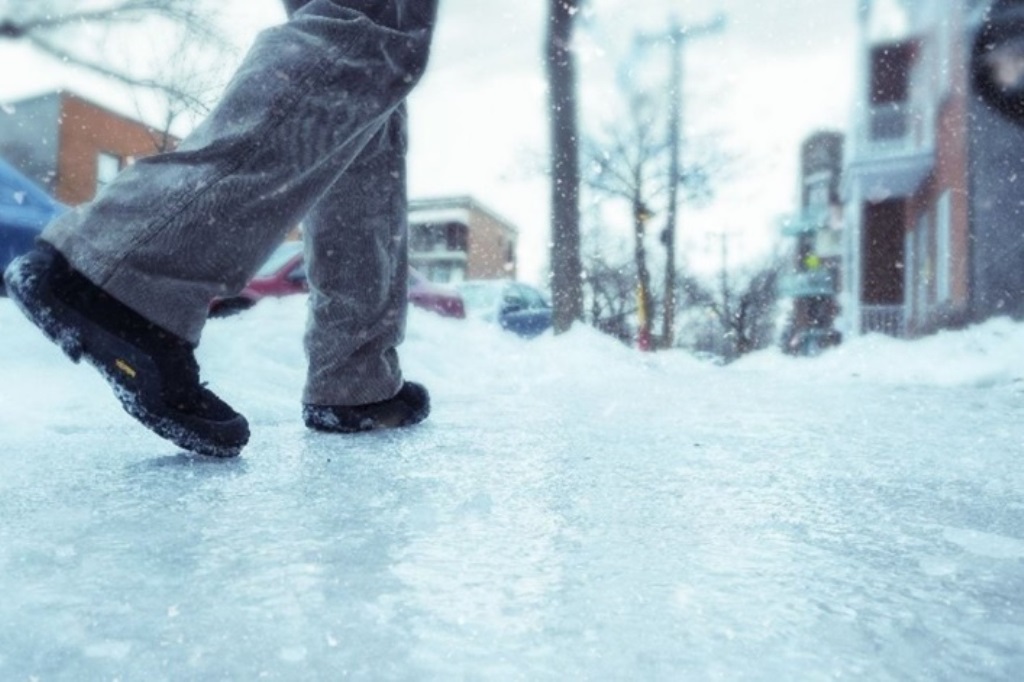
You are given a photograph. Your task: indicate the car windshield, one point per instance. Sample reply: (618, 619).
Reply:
(282, 255)
(480, 296)
(531, 297)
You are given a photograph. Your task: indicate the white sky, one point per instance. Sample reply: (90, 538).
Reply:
(781, 69)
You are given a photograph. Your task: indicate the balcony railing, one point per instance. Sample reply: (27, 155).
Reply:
(883, 319)
(888, 122)
(894, 129)
(438, 256)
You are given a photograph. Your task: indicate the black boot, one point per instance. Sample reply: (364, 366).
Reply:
(410, 406)
(153, 372)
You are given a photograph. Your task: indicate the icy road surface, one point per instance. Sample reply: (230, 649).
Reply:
(572, 510)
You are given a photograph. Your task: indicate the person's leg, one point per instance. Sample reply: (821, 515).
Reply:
(175, 230)
(358, 291)
(358, 275)
(357, 267)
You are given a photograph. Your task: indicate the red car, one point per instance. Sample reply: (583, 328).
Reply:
(284, 274)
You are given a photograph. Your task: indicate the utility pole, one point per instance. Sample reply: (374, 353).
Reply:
(677, 36)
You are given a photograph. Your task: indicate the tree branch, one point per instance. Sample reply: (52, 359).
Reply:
(64, 55)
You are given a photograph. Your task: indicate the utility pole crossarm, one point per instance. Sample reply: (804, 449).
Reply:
(677, 33)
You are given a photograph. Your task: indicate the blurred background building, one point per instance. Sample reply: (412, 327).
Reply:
(933, 181)
(452, 239)
(71, 146)
(814, 281)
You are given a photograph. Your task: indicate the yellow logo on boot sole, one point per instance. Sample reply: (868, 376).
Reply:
(126, 368)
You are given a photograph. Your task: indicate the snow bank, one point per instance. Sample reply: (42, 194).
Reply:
(986, 354)
(256, 361)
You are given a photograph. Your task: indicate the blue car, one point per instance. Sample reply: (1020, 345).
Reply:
(25, 209)
(517, 307)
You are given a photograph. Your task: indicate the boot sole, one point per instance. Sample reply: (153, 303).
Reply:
(366, 425)
(129, 372)
(365, 418)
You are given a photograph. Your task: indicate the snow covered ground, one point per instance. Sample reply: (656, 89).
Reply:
(572, 510)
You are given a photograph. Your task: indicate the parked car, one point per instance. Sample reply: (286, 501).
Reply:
(25, 209)
(284, 274)
(517, 307)
(443, 300)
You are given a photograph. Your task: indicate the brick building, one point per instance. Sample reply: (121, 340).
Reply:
(72, 146)
(456, 238)
(931, 181)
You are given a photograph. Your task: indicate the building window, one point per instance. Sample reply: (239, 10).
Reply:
(457, 237)
(449, 237)
(943, 256)
(892, 67)
(426, 237)
(107, 168)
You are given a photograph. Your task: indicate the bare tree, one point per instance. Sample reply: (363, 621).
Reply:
(612, 303)
(73, 32)
(194, 76)
(566, 263)
(744, 305)
(628, 162)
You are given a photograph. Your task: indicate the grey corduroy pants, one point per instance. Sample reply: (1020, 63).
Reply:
(312, 129)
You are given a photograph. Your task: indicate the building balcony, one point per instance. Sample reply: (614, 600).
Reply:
(891, 126)
(810, 284)
(894, 149)
(440, 265)
(438, 256)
